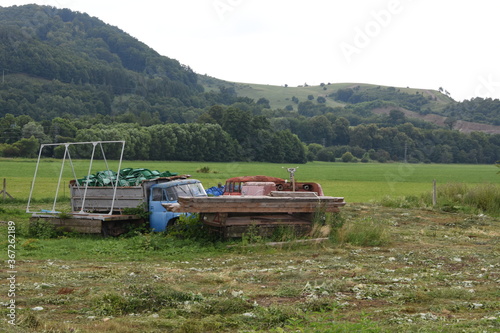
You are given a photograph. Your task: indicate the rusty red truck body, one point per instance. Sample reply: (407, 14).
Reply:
(264, 185)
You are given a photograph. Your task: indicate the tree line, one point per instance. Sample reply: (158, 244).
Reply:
(184, 142)
(229, 133)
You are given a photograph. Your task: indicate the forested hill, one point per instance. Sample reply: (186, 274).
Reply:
(69, 77)
(72, 47)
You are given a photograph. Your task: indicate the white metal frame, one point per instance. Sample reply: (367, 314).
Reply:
(66, 153)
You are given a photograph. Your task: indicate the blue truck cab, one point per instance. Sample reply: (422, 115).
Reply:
(160, 219)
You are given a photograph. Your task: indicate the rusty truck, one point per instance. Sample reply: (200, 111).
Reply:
(111, 209)
(265, 202)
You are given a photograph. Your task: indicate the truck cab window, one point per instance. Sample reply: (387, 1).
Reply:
(183, 191)
(157, 194)
(171, 194)
(197, 190)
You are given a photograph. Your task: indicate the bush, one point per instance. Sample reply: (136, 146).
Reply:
(42, 228)
(189, 227)
(326, 224)
(150, 241)
(284, 233)
(325, 155)
(251, 235)
(357, 151)
(347, 157)
(204, 169)
(483, 198)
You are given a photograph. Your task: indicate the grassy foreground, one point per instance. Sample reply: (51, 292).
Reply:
(388, 267)
(384, 270)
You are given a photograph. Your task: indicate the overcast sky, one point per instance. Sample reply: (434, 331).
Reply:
(404, 43)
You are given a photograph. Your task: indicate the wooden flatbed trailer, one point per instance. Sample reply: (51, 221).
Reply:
(231, 216)
(91, 223)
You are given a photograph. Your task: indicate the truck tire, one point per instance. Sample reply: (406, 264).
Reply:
(172, 223)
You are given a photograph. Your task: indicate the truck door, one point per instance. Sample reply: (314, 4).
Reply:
(159, 216)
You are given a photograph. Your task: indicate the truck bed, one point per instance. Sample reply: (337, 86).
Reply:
(107, 225)
(99, 199)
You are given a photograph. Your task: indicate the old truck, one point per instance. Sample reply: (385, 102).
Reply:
(264, 185)
(112, 208)
(265, 202)
(232, 216)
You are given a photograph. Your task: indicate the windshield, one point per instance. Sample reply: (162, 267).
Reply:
(174, 192)
(189, 190)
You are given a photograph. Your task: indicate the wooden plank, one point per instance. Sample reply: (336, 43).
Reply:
(88, 223)
(293, 194)
(262, 204)
(256, 221)
(237, 231)
(77, 225)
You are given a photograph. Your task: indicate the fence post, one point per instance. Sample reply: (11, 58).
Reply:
(434, 193)
(4, 190)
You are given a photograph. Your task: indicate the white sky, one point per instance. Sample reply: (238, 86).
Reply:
(415, 43)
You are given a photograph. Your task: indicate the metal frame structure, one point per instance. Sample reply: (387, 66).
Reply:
(67, 154)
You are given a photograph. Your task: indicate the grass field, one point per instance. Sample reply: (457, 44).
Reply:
(357, 182)
(378, 269)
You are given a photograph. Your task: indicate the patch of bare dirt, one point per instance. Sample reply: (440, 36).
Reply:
(460, 125)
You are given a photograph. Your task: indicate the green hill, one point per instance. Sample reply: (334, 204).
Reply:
(428, 105)
(281, 96)
(78, 55)
(70, 77)
(57, 62)
(74, 47)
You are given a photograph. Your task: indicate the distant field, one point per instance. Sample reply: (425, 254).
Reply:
(357, 182)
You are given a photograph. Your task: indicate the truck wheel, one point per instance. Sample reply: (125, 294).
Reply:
(172, 224)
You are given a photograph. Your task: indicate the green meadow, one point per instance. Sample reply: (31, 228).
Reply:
(381, 268)
(356, 182)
